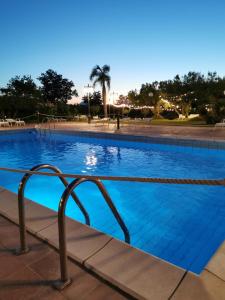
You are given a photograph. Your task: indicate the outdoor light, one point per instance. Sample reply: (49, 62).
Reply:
(88, 89)
(113, 94)
(150, 94)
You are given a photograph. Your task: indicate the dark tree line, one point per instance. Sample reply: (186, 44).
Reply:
(22, 96)
(193, 92)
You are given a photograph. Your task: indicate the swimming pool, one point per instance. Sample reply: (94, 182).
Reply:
(183, 224)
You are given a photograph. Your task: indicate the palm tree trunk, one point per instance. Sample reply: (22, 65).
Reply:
(104, 100)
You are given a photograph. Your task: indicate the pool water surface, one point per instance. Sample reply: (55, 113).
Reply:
(182, 224)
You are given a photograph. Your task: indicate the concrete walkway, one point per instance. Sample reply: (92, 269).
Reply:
(189, 132)
(30, 276)
(206, 133)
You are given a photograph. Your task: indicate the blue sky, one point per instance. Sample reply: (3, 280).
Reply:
(142, 40)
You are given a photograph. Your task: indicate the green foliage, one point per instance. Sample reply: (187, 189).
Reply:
(55, 88)
(169, 114)
(95, 99)
(22, 87)
(191, 92)
(140, 113)
(12, 106)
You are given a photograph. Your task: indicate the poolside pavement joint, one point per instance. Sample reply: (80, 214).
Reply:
(216, 265)
(30, 276)
(139, 274)
(82, 240)
(204, 287)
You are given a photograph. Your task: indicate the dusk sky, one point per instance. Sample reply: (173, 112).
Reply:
(142, 40)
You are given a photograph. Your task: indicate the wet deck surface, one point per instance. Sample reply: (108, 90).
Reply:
(31, 276)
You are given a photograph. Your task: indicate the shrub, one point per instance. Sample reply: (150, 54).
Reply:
(169, 114)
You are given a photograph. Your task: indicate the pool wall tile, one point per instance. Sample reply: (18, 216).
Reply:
(147, 139)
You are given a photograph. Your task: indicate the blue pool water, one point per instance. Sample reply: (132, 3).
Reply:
(183, 224)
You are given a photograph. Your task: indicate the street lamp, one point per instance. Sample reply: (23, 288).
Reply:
(113, 94)
(88, 90)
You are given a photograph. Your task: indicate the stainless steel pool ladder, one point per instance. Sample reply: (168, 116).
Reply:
(65, 280)
(22, 185)
(69, 191)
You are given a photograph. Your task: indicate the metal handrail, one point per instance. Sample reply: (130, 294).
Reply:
(22, 185)
(65, 280)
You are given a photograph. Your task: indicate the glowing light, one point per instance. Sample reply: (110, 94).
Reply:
(91, 160)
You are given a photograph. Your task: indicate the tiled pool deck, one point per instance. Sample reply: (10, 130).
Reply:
(138, 274)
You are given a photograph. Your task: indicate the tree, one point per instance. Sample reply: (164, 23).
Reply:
(133, 97)
(55, 88)
(95, 99)
(150, 96)
(102, 77)
(23, 87)
(123, 100)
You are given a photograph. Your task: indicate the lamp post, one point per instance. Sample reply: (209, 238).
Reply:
(88, 89)
(113, 94)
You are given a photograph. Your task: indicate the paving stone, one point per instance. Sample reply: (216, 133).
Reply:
(204, 287)
(37, 250)
(83, 283)
(9, 205)
(22, 284)
(135, 272)
(9, 263)
(39, 217)
(30, 276)
(104, 292)
(217, 263)
(82, 241)
(9, 234)
(50, 293)
(48, 266)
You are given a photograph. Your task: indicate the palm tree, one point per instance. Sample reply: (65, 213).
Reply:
(101, 76)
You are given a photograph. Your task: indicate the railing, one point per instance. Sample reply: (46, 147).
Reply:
(65, 280)
(22, 185)
(62, 228)
(69, 191)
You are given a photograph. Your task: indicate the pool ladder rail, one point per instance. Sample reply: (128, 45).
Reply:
(69, 191)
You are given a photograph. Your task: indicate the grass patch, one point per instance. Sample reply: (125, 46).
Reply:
(166, 122)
